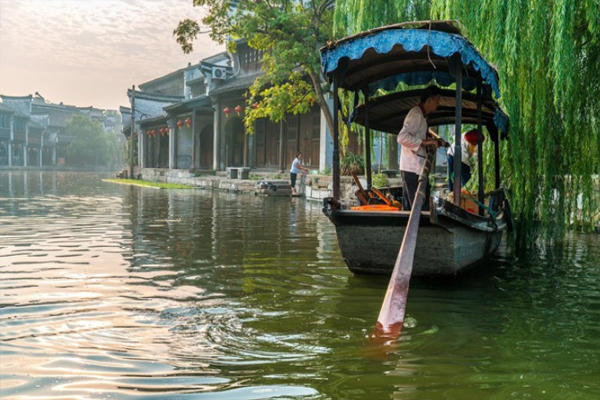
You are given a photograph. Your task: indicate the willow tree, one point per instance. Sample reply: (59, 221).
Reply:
(353, 16)
(547, 53)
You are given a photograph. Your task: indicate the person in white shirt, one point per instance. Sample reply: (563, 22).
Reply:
(469, 157)
(296, 167)
(414, 137)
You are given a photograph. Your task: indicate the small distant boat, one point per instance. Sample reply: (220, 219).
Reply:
(273, 188)
(452, 237)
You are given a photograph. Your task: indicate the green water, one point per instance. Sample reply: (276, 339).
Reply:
(112, 291)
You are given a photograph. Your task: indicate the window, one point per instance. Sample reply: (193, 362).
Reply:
(4, 121)
(19, 125)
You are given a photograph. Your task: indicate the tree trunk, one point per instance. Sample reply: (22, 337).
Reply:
(316, 81)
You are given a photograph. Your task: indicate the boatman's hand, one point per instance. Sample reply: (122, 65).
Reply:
(442, 142)
(430, 142)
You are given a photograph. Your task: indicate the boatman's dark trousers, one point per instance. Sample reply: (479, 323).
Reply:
(410, 182)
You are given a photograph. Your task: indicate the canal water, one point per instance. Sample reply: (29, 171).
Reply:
(110, 291)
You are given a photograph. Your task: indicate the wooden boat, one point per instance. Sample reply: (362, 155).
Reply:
(452, 237)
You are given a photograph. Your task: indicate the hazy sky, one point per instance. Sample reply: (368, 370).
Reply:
(89, 52)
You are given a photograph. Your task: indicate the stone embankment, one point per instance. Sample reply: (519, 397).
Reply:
(312, 186)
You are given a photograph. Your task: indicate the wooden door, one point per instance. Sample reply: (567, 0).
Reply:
(310, 138)
(315, 139)
(261, 143)
(206, 147)
(292, 138)
(234, 143)
(273, 132)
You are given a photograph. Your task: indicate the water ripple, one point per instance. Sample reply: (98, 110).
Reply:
(109, 291)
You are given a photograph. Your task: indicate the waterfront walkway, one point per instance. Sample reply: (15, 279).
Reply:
(312, 186)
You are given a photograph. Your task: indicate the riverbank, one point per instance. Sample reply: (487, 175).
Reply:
(314, 187)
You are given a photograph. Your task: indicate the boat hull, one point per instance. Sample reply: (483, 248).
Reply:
(446, 245)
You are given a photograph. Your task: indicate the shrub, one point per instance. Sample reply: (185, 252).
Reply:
(352, 163)
(380, 180)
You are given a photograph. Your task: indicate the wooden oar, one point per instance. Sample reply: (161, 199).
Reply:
(393, 308)
(360, 193)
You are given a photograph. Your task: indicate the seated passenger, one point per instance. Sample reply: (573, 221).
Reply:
(469, 157)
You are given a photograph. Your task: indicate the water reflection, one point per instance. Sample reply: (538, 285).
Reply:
(124, 292)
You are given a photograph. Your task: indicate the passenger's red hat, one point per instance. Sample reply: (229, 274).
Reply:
(471, 136)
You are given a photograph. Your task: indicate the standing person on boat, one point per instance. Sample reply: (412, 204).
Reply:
(296, 167)
(414, 137)
(469, 157)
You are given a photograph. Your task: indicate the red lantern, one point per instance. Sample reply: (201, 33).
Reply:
(238, 109)
(255, 106)
(188, 122)
(226, 110)
(311, 101)
(180, 123)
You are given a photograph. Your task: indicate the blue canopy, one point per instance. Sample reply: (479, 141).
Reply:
(383, 57)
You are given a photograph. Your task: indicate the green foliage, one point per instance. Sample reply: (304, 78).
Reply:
(380, 180)
(546, 52)
(157, 185)
(326, 171)
(289, 33)
(353, 16)
(91, 146)
(352, 163)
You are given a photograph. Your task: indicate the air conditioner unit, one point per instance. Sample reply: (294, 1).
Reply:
(219, 72)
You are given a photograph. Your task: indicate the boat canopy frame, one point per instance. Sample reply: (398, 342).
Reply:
(415, 54)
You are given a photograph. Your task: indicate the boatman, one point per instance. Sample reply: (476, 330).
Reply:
(414, 137)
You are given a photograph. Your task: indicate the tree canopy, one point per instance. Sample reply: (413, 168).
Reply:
(290, 33)
(353, 16)
(91, 146)
(546, 52)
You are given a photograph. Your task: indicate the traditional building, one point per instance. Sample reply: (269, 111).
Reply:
(33, 132)
(196, 120)
(6, 122)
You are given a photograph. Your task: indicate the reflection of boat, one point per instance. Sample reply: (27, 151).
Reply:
(451, 237)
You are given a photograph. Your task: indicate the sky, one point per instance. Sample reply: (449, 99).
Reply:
(89, 52)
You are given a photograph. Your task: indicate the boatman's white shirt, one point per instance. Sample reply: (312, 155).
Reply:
(414, 131)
